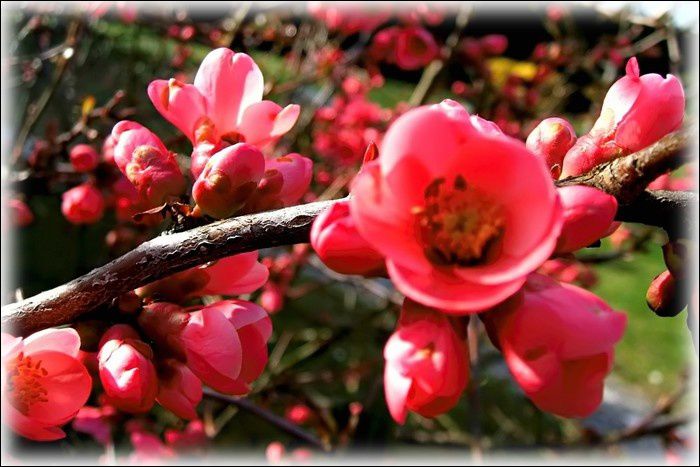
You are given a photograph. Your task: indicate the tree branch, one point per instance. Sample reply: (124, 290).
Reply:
(625, 178)
(158, 258)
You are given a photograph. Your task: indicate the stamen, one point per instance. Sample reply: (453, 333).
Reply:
(24, 383)
(459, 224)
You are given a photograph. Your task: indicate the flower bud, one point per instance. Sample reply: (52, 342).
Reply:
(588, 215)
(84, 158)
(20, 213)
(285, 181)
(148, 165)
(665, 295)
(340, 246)
(126, 370)
(229, 178)
(82, 204)
(551, 140)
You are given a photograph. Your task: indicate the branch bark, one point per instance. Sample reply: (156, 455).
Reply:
(625, 178)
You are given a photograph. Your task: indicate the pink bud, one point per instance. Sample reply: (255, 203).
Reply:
(286, 180)
(558, 341)
(148, 165)
(83, 204)
(551, 140)
(180, 391)
(126, 371)
(229, 178)
(84, 158)
(588, 215)
(20, 213)
(494, 44)
(637, 112)
(340, 246)
(272, 298)
(426, 363)
(298, 413)
(275, 453)
(665, 295)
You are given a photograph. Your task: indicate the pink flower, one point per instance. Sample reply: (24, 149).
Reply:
(254, 329)
(426, 363)
(449, 203)
(637, 111)
(551, 140)
(228, 179)
(95, 421)
(82, 204)
(298, 413)
(494, 44)
(148, 448)
(44, 384)
(83, 158)
(348, 17)
(192, 438)
(179, 391)
(20, 213)
(224, 105)
(146, 162)
(558, 342)
(272, 298)
(234, 275)
(205, 339)
(340, 246)
(588, 216)
(126, 370)
(415, 48)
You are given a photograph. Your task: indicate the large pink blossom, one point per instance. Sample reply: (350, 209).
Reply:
(558, 341)
(450, 203)
(637, 111)
(427, 364)
(44, 384)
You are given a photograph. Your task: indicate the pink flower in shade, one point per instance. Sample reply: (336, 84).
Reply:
(272, 298)
(82, 204)
(340, 246)
(44, 385)
(179, 390)
(426, 363)
(494, 44)
(126, 370)
(20, 213)
(348, 17)
(192, 438)
(286, 180)
(83, 158)
(108, 149)
(148, 448)
(146, 162)
(637, 111)
(254, 329)
(588, 216)
(551, 140)
(458, 231)
(298, 413)
(224, 105)
(557, 340)
(96, 422)
(274, 453)
(415, 48)
(228, 179)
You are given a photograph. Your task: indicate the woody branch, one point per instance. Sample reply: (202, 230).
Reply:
(624, 178)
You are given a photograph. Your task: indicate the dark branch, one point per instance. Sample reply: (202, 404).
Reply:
(158, 258)
(625, 178)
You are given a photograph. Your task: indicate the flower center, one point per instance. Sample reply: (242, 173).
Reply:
(24, 386)
(459, 225)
